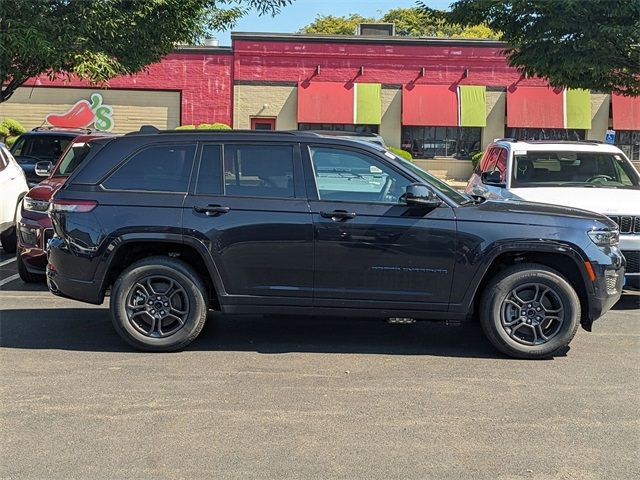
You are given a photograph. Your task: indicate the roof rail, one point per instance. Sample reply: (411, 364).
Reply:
(506, 139)
(49, 128)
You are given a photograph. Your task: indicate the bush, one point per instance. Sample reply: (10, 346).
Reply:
(475, 158)
(15, 127)
(205, 126)
(401, 153)
(10, 141)
(4, 131)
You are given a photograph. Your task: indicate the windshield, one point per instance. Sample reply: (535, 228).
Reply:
(573, 169)
(74, 157)
(432, 181)
(40, 147)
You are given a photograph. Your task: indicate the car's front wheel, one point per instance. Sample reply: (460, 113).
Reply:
(529, 311)
(159, 304)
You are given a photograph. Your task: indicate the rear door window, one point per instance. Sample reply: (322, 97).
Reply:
(259, 170)
(160, 168)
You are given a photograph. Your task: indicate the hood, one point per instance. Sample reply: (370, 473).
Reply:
(45, 189)
(606, 201)
(528, 213)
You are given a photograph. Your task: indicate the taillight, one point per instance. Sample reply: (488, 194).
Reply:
(76, 206)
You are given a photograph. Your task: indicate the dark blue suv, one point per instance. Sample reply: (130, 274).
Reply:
(174, 224)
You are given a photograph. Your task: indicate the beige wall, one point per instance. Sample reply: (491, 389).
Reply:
(496, 112)
(131, 108)
(265, 101)
(599, 116)
(391, 126)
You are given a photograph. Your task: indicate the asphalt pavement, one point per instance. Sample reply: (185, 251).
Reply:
(306, 398)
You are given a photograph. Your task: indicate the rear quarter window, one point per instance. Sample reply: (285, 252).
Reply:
(159, 168)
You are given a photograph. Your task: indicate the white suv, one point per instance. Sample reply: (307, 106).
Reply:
(587, 175)
(13, 186)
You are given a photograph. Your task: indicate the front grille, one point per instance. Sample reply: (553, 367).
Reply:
(612, 282)
(633, 261)
(627, 224)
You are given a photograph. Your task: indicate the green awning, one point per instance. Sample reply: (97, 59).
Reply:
(473, 105)
(368, 103)
(578, 109)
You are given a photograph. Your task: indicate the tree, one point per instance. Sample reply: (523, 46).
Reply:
(592, 44)
(330, 24)
(409, 22)
(99, 39)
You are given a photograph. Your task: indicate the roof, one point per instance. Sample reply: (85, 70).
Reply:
(562, 146)
(324, 38)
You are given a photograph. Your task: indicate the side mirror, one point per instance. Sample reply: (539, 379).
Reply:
(492, 178)
(43, 169)
(421, 195)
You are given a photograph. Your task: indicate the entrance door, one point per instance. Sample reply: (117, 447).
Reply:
(372, 249)
(263, 123)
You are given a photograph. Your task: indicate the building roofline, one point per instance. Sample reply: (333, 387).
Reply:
(362, 39)
(203, 49)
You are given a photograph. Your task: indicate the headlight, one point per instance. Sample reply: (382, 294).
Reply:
(40, 206)
(605, 238)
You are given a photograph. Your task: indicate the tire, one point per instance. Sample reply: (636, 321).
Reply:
(25, 275)
(9, 240)
(145, 281)
(519, 331)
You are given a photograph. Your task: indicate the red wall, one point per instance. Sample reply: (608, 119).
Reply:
(204, 80)
(384, 63)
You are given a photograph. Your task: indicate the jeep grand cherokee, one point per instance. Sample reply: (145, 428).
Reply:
(174, 224)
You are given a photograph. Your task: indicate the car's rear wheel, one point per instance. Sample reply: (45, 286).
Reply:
(25, 275)
(159, 304)
(529, 311)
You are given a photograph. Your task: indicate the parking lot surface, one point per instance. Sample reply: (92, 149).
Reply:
(273, 397)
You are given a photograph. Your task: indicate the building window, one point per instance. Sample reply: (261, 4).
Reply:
(629, 142)
(340, 127)
(429, 142)
(546, 134)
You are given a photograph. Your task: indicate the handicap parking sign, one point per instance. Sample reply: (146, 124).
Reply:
(610, 136)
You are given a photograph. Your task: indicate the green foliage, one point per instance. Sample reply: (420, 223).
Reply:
(591, 44)
(205, 126)
(14, 127)
(99, 39)
(409, 22)
(401, 153)
(475, 158)
(4, 131)
(214, 126)
(10, 141)
(330, 24)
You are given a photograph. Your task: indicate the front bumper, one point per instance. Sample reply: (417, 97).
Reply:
(33, 236)
(607, 289)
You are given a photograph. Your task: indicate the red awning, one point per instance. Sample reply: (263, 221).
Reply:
(626, 112)
(535, 107)
(325, 102)
(430, 105)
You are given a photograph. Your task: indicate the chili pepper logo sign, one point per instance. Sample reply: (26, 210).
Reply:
(83, 114)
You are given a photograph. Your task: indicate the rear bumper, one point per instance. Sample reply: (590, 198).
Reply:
(61, 285)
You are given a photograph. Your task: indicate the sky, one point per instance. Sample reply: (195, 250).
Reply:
(302, 12)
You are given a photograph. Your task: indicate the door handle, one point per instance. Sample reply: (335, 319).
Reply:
(338, 215)
(211, 210)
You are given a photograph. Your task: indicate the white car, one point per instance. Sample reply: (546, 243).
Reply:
(13, 186)
(587, 175)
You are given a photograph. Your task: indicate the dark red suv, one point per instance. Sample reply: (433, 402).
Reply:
(34, 225)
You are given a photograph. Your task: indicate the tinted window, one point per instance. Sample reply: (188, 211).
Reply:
(259, 170)
(41, 147)
(210, 174)
(163, 168)
(344, 175)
